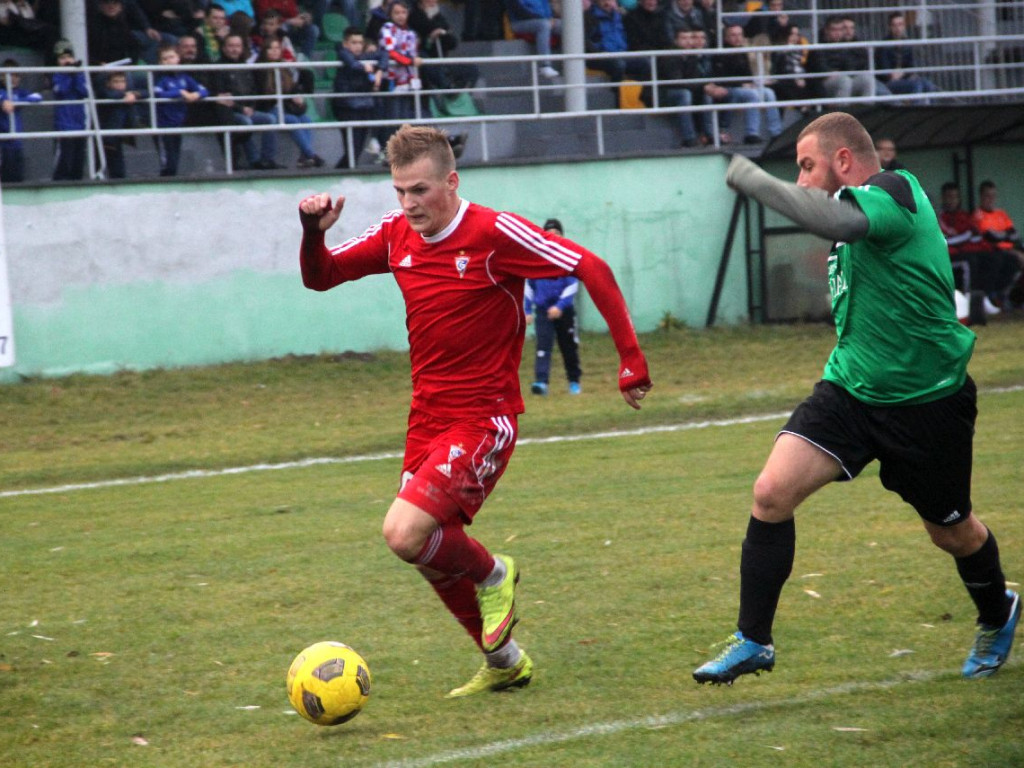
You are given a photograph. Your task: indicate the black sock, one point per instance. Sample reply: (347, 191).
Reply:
(983, 577)
(765, 564)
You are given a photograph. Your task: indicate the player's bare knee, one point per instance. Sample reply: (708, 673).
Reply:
(960, 540)
(404, 540)
(772, 502)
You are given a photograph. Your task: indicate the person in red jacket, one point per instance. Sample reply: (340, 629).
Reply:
(461, 269)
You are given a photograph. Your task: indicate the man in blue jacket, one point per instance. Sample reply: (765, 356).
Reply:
(606, 33)
(70, 87)
(550, 305)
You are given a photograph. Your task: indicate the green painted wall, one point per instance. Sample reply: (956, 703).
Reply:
(151, 275)
(190, 273)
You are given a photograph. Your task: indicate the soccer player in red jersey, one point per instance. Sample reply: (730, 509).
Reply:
(461, 268)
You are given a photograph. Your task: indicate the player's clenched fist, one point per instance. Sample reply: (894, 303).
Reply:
(316, 212)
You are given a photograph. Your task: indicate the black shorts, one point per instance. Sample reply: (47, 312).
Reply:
(924, 451)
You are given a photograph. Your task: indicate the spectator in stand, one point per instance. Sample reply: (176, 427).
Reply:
(714, 22)
(552, 301)
(437, 40)
(788, 67)
(111, 35)
(297, 24)
(190, 53)
(12, 151)
(292, 107)
(991, 270)
(535, 18)
(243, 25)
(886, 149)
(605, 32)
(995, 225)
(645, 27)
(837, 66)
(116, 111)
(686, 14)
(749, 90)
(203, 112)
(859, 54)
(214, 30)
(399, 47)
(272, 28)
(359, 73)
(230, 87)
(183, 89)
(70, 161)
(148, 36)
(897, 62)
(21, 25)
(172, 18)
(376, 20)
(770, 22)
(687, 68)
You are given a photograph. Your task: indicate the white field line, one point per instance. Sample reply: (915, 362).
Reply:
(193, 474)
(203, 473)
(546, 738)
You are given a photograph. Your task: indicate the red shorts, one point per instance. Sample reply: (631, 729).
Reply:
(450, 467)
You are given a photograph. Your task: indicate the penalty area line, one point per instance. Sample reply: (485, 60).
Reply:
(651, 722)
(194, 474)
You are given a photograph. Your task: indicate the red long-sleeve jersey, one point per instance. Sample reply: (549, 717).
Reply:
(463, 291)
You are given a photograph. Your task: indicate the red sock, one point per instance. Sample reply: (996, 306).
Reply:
(458, 593)
(453, 553)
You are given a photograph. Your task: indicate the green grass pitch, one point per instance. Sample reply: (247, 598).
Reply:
(151, 624)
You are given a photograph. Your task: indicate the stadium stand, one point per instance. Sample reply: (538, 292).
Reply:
(974, 53)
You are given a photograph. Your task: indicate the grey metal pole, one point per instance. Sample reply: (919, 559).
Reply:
(576, 69)
(72, 20)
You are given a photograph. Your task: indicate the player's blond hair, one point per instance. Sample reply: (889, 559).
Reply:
(839, 129)
(411, 142)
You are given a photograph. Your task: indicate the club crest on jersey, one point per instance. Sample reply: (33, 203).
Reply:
(461, 262)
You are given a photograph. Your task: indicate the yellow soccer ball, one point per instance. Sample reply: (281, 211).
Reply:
(328, 683)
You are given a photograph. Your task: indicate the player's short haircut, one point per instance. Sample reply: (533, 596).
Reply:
(839, 129)
(950, 185)
(986, 185)
(411, 142)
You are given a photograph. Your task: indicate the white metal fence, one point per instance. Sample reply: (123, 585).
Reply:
(976, 68)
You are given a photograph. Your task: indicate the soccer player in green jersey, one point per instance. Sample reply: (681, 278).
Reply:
(895, 388)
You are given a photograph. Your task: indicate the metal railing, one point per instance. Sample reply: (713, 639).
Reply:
(967, 69)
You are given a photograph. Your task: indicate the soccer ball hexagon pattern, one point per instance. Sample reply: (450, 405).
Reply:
(328, 683)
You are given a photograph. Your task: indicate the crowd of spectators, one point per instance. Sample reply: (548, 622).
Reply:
(379, 66)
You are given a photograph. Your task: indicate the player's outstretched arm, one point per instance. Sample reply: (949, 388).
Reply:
(813, 209)
(634, 379)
